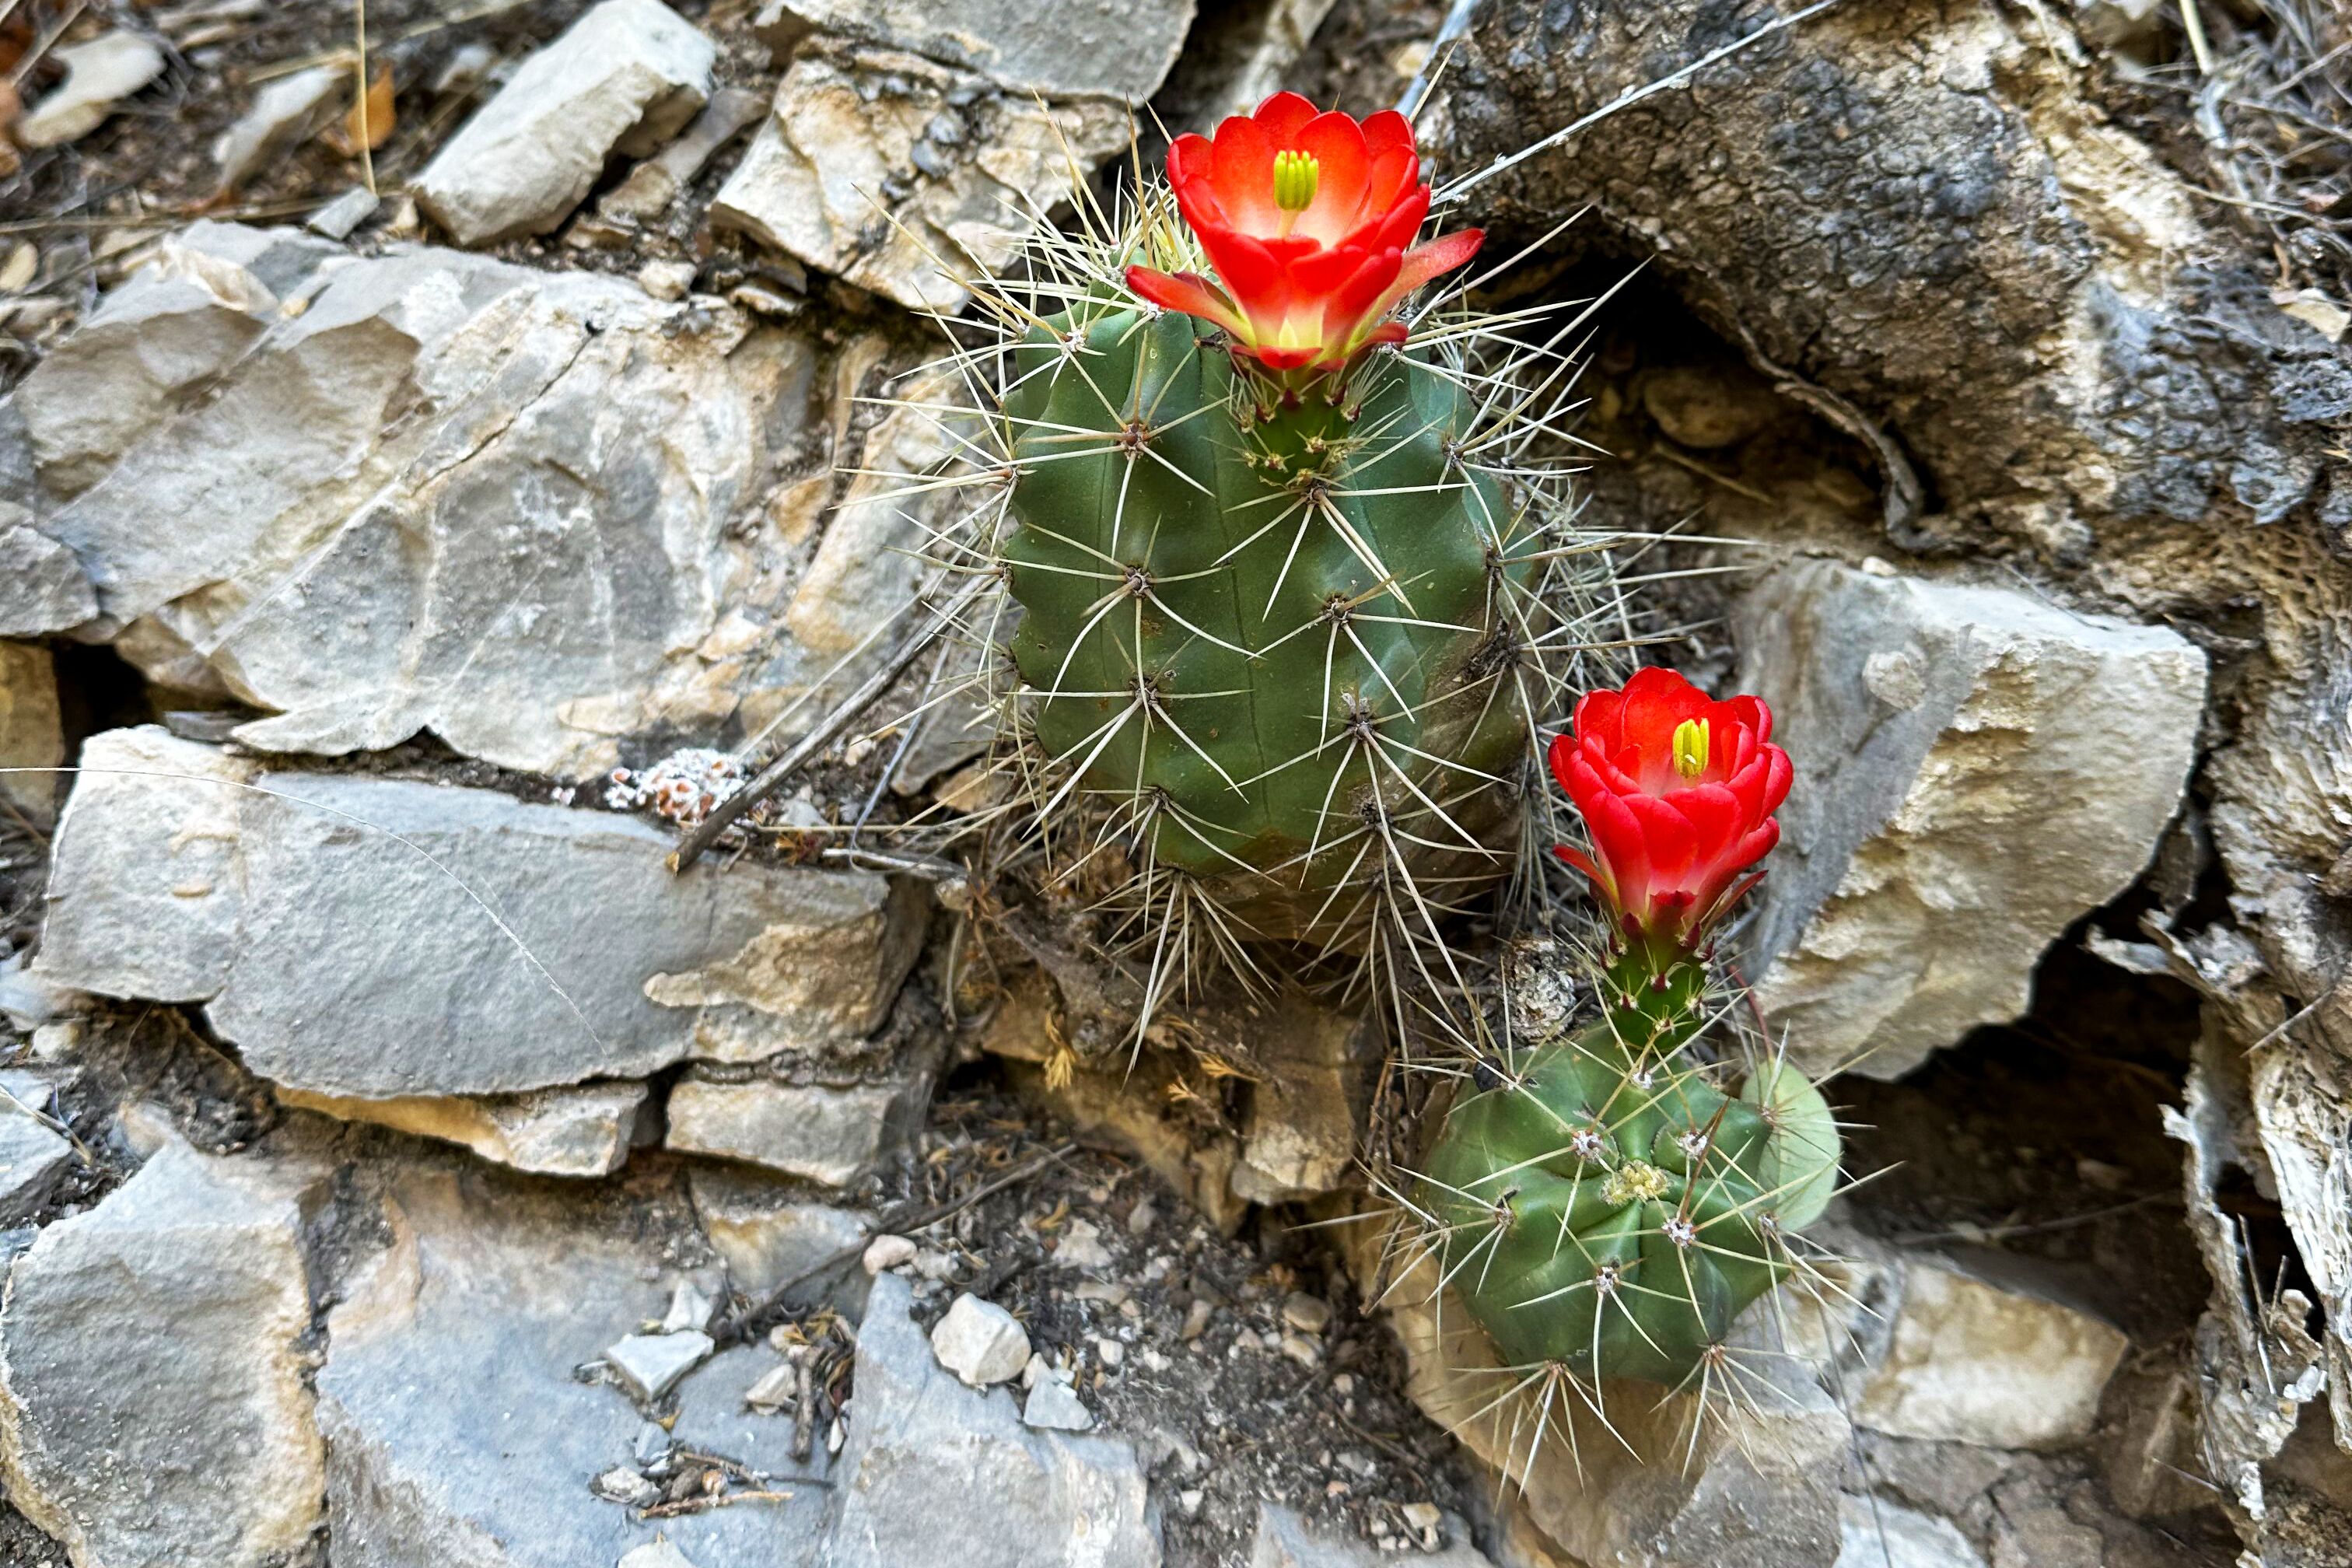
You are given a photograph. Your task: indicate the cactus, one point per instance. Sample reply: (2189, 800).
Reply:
(1602, 1203)
(1272, 620)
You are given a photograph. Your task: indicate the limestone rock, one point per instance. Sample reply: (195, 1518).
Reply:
(1969, 1360)
(1113, 48)
(341, 929)
(32, 1158)
(815, 1132)
(935, 1475)
(100, 74)
(285, 114)
(578, 1130)
(980, 1342)
(1053, 1406)
(625, 78)
(1976, 769)
(1315, 1071)
(42, 588)
(428, 498)
(159, 340)
(651, 1364)
(143, 1449)
(1236, 58)
(767, 1233)
(456, 1432)
(953, 161)
(1884, 1534)
(32, 734)
(1284, 1540)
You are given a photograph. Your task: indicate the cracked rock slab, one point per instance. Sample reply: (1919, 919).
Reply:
(817, 1132)
(1111, 49)
(578, 1130)
(953, 161)
(516, 507)
(379, 937)
(32, 734)
(936, 1475)
(1977, 768)
(139, 1448)
(625, 77)
(457, 1431)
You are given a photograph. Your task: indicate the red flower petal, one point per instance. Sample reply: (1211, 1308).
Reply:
(1188, 292)
(1336, 143)
(1282, 116)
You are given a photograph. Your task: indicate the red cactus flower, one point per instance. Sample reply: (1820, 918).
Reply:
(1678, 791)
(1310, 221)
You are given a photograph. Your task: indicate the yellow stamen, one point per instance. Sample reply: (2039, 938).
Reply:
(1690, 748)
(1296, 177)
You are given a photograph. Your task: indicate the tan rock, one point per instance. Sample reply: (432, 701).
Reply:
(32, 735)
(583, 1130)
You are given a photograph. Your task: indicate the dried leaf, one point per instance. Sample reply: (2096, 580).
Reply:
(370, 121)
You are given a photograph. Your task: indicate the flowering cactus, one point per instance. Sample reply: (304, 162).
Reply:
(1274, 604)
(1605, 1204)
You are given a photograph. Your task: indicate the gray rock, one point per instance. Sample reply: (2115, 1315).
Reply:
(285, 113)
(345, 213)
(1234, 59)
(980, 1342)
(42, 589)
(340, 930)
(818, 1133)
(653, 184)
(1884, 1534)
(715, 1414)
(934, 1475)
(1112, 48)
(1284, 1540)
(651, 1364)
(1970, 1360)
(1976, 770)
(141, 1448)
(32, 1158)
(1053, 1406)
(100, 74)
(767, 1234)
(659, 1554)
(851, 126)
(578, 1130)
(160, 339)
(456, 1432)
(32, 732)
(425, 501)
(625, 78)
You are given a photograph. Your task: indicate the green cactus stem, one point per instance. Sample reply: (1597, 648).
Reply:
(1269, 622)
(1603, 1203)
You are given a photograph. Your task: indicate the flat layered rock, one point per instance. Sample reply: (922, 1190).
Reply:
(421, 491)
(380, 938)
(1112, 48)
(141, 1448)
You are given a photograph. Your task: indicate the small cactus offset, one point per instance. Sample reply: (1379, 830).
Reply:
(1604, 1202)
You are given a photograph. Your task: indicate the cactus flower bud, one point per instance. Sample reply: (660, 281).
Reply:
(1678, 792)
(1309, 220)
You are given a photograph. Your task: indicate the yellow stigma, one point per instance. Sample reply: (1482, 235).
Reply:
(1690, 748)
(1295, 175)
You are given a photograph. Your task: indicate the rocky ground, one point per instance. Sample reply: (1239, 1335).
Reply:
(405, 507)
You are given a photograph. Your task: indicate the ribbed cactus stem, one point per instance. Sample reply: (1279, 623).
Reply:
(1605, 1204)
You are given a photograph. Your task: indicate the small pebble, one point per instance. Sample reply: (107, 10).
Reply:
(1111, 1352)
(1140, 1218)
(1301, 1349)
(1189, 1501)
(980, 1342)
(1307, 1314)
(1055, 1407)
(1196, 1319)
(666, 279)
(886, 1252)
